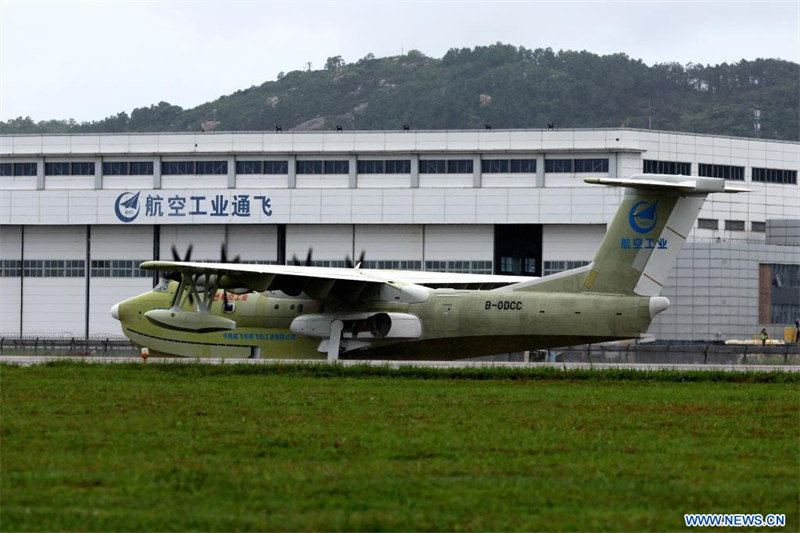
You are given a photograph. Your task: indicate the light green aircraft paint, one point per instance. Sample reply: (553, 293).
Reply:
(307, 312)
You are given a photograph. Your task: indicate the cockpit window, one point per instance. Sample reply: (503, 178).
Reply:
(163, 286)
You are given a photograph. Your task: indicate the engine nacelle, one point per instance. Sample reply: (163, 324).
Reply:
(360, 325)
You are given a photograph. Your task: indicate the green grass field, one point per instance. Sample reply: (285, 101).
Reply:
(129, 447)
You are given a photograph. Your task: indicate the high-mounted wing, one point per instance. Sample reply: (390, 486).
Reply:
(448, 280)
(344, 284)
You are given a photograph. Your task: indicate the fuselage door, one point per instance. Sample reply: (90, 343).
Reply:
(447, 314)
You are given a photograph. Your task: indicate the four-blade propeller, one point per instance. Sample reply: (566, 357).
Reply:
(349, 264)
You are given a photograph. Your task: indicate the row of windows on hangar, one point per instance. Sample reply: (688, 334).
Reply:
(386, 166)
(731, 225)
(129, 268)
(391, 166)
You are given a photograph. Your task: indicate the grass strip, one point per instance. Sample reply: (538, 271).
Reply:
(326, 370)
(184, 447)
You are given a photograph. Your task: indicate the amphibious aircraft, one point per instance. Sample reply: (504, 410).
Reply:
(228, 309)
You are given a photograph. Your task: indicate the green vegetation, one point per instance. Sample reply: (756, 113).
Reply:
(180, 447)
(501, 85)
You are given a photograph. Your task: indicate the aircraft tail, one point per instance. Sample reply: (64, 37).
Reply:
(642, 243)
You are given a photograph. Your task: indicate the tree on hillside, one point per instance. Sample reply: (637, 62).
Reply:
(334, 62)
(500, 84)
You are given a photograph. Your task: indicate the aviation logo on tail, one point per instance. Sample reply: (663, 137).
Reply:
(643, 217)
(127, 206)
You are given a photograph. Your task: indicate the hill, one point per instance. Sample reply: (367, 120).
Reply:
(501, 85)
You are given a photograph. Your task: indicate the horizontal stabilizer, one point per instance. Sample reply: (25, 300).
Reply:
(684, 185)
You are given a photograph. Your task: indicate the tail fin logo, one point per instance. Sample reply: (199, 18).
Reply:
(643, 217)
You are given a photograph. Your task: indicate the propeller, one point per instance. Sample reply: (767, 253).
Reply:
(349, 264)
(174, 275)
(223, 255)
(177, 257)
(308, 263)
(223, 258)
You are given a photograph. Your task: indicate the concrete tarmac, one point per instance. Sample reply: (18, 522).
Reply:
(28, 360)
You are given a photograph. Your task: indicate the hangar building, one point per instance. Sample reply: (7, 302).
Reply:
(78, 213)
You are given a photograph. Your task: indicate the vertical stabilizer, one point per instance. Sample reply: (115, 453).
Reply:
(642, 243)
(643, 240)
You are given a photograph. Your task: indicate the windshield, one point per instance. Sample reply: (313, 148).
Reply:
(163, 286)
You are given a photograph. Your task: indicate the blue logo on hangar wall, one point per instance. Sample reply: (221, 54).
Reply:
(127, 206)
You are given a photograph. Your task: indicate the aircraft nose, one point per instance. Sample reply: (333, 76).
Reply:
(115, 311)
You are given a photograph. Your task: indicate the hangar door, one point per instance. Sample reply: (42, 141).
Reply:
(518, 249)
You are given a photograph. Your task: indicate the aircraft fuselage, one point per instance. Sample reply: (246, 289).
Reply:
(449, 324)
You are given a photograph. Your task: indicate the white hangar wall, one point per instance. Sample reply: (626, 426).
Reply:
(257, 243)
(571, 242)
(443, 200)
(11, 282)
(55, 305)
(205, 240)
(459, 248)
(394, 242)
(327, 242)
(716, 287)
(116, 253)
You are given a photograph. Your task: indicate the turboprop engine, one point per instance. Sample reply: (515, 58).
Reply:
(364, 326)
